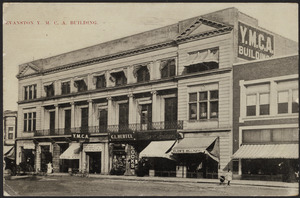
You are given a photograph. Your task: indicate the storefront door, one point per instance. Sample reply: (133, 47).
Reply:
(46, 157)
(94, 162)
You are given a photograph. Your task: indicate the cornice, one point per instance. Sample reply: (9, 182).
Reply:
(146, 49)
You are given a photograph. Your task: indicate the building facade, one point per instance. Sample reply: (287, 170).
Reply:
(266, 119)
(103, 108)
(9, 137)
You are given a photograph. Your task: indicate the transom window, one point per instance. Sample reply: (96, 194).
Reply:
(29, 122)
(204, 105)
(29, 92)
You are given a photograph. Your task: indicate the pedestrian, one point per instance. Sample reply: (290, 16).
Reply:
(228, 177)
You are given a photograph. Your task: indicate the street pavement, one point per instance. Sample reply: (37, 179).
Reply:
(108, 185)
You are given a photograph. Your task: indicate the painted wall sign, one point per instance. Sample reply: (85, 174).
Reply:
(80, 136)
(254, 44)
(121, 136)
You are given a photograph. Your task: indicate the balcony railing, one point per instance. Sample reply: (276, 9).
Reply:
(113, 128)
(151, 126)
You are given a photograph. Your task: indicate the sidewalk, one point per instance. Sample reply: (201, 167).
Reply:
(192, 180)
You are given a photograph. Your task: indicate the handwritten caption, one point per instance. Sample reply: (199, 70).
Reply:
(51, 23)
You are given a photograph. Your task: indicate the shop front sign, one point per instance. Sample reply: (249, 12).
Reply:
(121, 137)
(254, 44)
(80, 136)
(28, 146)
(92, 147)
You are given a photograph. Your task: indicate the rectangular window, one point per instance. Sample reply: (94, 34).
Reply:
(65, 88)
(101, 83)
(264, 104)
(10, 136)
(120, 78)
(49, 90)
(283, 102)
(103, 120)
(143, 74)
(10, 128)
(167, 68)
(81, 86)
(29, 121)
(29, 92)
(207, 103)
(251, 105)
(295, 101)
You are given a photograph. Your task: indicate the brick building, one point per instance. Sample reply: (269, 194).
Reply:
(266, 118)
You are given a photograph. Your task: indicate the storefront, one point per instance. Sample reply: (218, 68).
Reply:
(26, 155)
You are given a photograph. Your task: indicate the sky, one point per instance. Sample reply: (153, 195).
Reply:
(34, 39)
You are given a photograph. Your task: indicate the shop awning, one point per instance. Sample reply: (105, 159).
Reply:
(158, 149)
(193, 145)
(267, 151)
(9, 152)
(72, 152)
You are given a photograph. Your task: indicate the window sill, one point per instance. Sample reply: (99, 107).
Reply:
(268, 117)
(204, 120)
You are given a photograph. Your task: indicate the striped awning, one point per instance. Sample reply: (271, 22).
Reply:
(72, 152)
(9, 152)
(158, 149)
(267, 151)
(193, 145)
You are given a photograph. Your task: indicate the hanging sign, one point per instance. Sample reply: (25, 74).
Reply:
(254, 44)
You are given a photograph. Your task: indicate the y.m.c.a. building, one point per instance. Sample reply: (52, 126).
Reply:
(164, 95)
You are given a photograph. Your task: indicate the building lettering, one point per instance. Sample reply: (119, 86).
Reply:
(254, 44)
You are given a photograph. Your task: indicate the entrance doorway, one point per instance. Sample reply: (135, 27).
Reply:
(94, 162)
(46, 157)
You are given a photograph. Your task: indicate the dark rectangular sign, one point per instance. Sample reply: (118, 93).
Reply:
(78, 136)
(254, 44)
(121, 136)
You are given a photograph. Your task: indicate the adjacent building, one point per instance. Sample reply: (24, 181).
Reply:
(9, 136)
(266, 119)
(164, 95)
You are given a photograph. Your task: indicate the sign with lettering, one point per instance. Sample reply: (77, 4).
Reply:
(191, 150)
(132, 158)
(121, 136)
(79, 136)
(93, 147)
(254, 44)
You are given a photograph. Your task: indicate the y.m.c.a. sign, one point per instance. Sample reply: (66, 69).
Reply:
(254, 44)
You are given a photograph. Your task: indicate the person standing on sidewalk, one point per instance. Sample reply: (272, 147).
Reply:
(229, 177)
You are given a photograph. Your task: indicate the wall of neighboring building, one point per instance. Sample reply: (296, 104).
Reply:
(286, 67)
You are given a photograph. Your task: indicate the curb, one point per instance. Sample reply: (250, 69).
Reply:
(207, 181)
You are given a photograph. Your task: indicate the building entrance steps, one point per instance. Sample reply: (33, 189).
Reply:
(192, 180)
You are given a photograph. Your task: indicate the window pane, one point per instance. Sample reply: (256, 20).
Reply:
(283, 97)
(214, 94)
(203, 96)
(193, 111)
(251, 100)
(26, 93)
(214, 109)
(264, 98)
(25, 115)
(282, 108)
(34, 92)
(33, 124)
(172, 68)
(193, 97)
(264, 109)
(251, 110)
(203, 110)
(25, 125)
(295, 103)
(30, 92)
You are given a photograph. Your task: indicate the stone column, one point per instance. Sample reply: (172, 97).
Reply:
(131, 118)
(155, 116)
(90, 113)
(109, 111)
(42, 118)
(56, 116)
(55, 161)
(72, 114)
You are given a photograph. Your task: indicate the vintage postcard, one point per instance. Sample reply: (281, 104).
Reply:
(150, 99)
